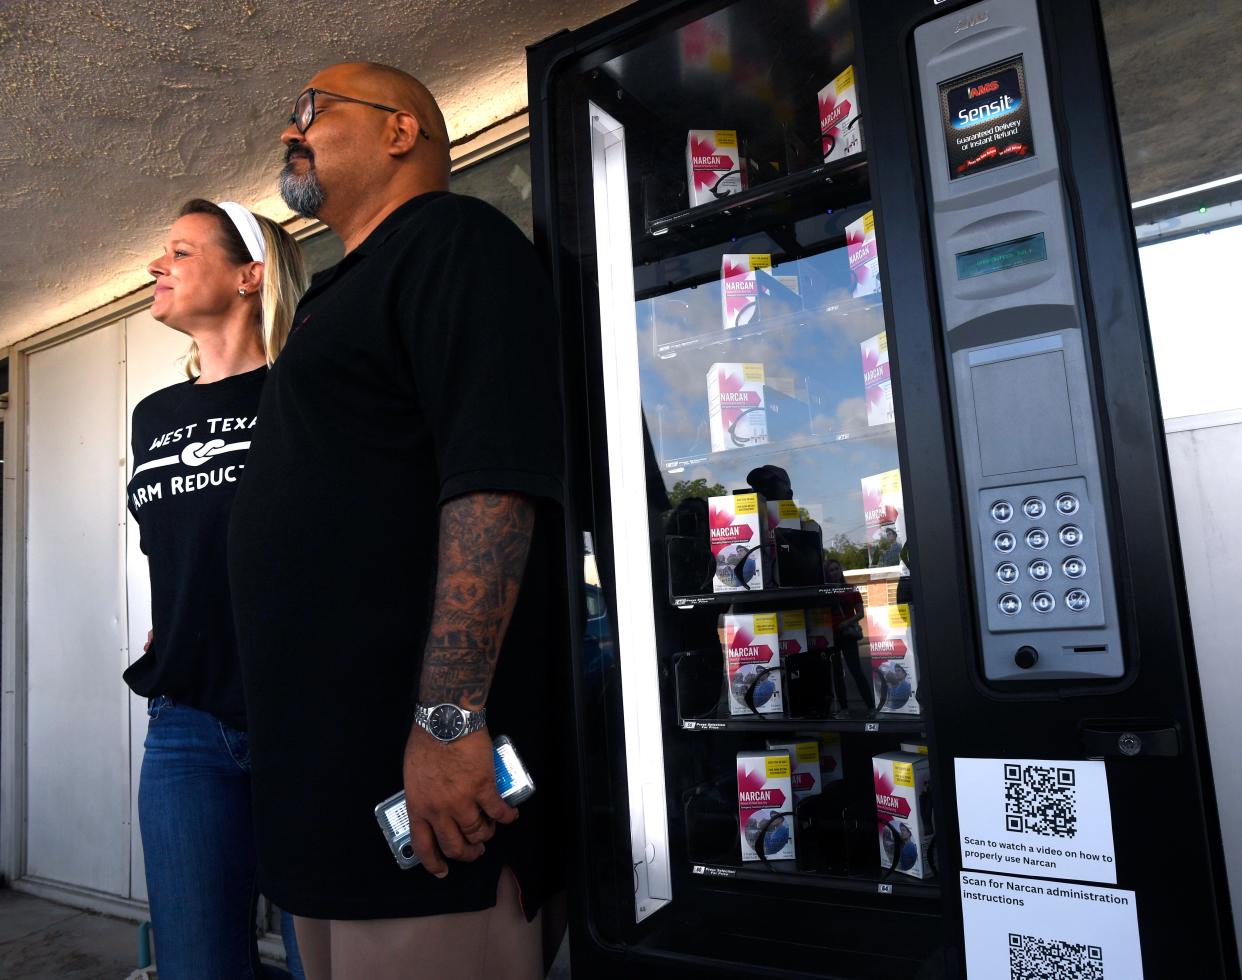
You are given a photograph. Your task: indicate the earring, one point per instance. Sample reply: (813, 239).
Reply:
(241, 292)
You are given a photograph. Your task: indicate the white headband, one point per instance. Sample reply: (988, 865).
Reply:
(247, 226)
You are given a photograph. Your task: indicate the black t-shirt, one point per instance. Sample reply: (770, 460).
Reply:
(422, 367)
(190, 443)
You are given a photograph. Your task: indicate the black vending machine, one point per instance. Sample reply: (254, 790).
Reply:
(885, 667)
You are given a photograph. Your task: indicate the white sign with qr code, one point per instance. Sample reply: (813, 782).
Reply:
(1047, 818)
(1022, 928)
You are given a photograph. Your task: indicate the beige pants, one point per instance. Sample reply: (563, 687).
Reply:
(495, 944)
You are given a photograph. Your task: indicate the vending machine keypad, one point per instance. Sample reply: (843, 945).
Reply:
(1044, 560)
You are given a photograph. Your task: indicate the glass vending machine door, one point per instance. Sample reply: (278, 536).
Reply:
(751, 520)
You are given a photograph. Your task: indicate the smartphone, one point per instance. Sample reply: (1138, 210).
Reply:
(513, 782)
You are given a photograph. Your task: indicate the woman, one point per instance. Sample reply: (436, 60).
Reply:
(230, 280)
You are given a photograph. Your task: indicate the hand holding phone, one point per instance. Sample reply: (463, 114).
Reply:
(513, 783)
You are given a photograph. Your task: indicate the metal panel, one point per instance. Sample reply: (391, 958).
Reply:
(1206, 465)
(77, 750)
(152, 361)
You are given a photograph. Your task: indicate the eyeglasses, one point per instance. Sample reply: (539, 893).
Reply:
(304, 109)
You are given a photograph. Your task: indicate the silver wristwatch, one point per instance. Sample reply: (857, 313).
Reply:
(448, 722)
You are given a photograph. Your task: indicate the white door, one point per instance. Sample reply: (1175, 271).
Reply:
(78, 724)
(152, 362)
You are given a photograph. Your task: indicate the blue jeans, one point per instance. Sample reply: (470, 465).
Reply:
(194, 813)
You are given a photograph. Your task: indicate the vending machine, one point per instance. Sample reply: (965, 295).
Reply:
(888, 670)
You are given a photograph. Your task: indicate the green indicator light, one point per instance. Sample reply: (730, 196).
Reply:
(1203, 209)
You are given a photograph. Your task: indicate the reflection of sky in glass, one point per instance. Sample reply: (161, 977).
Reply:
(813, 372)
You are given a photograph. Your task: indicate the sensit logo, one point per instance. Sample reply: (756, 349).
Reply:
(988, 111)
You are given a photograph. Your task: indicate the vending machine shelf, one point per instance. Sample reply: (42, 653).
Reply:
(776, 449)
(877, 724)
(742, 337)
(780, 598)
(786, 872)
(755, 597)
(838, 183)
(814, 701)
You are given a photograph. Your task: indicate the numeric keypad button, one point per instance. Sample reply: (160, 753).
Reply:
(1004, 542)
(1033, 508)
(1040, 570)
(1067, 504)
(1002, 511)
(1076, 600)
(1037, 538)
(1074, 567)
(1007, 572)
(1009, 604)
(1070, 535)
(1042, 602)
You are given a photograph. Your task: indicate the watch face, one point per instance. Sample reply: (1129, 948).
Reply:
(446, 722)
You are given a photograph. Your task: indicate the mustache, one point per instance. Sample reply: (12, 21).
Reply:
(298, 150)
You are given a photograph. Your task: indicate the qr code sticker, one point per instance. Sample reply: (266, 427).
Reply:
(1032, 958)
(1040, 800)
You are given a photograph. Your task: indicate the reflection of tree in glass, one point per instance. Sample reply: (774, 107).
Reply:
(851, 554)
(684, 489)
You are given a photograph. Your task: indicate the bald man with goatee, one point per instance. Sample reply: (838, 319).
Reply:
(396, 557)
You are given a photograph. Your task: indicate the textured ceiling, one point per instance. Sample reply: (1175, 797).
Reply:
(1177, 77)
(116, 111)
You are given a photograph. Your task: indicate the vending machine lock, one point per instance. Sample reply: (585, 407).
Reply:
(1102, 743)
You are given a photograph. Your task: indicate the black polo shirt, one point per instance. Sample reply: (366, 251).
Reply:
(422, 367)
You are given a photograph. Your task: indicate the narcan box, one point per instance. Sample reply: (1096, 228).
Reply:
(840, 119)
(736, 416)
(713, 165)
(877, 382)
(890, 643)
(739, 289)
(863, 255)
(792, 631)
(804, 760)
(884, 518)
(765, 805)
(831, 765)
(752, 662)
(737, 535)
(819, 632)
(902, 782)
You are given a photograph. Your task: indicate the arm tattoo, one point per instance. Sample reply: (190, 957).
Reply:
(484, 541)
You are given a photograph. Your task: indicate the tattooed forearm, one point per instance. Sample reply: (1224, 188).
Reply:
(484, 540)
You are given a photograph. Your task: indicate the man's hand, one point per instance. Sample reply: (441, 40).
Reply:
(450, 793)
(147, 646)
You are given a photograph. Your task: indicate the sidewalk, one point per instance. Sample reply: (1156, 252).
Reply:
(40, 940)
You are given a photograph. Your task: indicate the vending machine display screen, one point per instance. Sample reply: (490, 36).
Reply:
(987, 122)
(1006, 255)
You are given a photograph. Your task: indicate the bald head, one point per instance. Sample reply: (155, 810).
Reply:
(396, 88)
(355, 160)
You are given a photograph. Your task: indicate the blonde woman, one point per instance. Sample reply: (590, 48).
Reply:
(229, 280)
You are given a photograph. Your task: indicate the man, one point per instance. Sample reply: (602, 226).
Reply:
(889, 548)
(395, 555)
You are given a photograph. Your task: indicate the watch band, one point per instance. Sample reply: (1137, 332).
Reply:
(474, 720)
